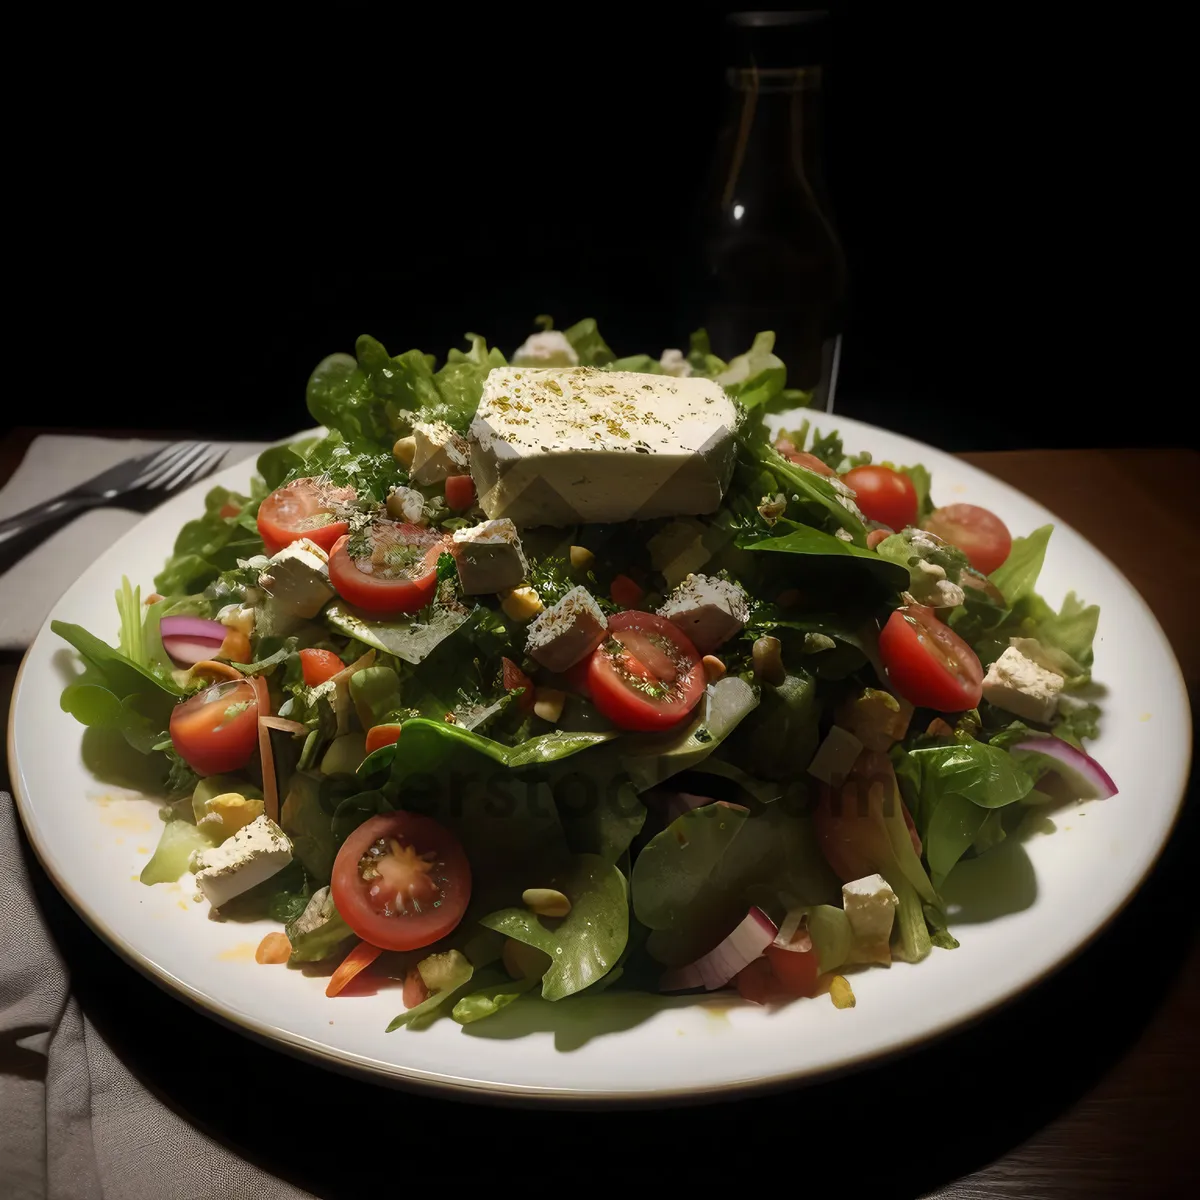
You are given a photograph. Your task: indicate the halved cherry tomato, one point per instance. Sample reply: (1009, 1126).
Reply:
(787, 448)
(647, 674)
(884, 495)
(305, 508)
(625, 591)
(361, 957)
(795, 969)
(393, 568)
(756, 982)
(319, 666)
(415, 992)
(379, 736)
(977, 532)
(928, 663)
(460, 492)
(401, 881)
(216, 730)
(515, 678)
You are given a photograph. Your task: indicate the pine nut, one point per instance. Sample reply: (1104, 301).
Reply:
(546, 902)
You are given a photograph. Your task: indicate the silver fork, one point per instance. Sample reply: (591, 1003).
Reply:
(139, 483)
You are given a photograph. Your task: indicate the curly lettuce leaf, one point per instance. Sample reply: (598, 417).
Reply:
(340, 397)
(585, 339)
(756, 377)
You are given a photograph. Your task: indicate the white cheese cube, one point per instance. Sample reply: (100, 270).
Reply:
(489, 557)
(406, 504)
(870, 906)
(547, 349)
(565, 445)
(438, 453)
(1020, 686)
(254, 853)
(297, 579)
(835, 756)
(567, 631)
(709, 610)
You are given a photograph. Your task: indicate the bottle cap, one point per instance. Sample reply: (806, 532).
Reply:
(782, 39)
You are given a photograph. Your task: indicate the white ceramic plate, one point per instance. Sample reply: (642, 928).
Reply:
(1019, 912)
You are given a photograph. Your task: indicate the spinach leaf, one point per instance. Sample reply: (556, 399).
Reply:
(782, 735)
(803, 539)
(308, 824)
(650, 759)
(586, 943)
(93, 704)
(600, 811)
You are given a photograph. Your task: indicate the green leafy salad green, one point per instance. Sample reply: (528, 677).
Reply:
(740, 737)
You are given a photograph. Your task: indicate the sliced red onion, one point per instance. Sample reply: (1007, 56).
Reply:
(746, 943)
(189, 640)
(1085, 776)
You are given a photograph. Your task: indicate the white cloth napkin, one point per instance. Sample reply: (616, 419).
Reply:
(75, 1124)
(53, 465)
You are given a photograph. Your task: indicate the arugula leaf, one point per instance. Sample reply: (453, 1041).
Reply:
(586, 943)
(120, 675)
(585, 339)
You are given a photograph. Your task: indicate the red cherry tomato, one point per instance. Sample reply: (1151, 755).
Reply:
(379, 736)
(625, 591)
(460, 492)
(977, 532)
(928, 663)
(796, 970)
(390, 568)
(401, 881)
(756, 982)
(319, 666)
(515, 678)
(884, 495)
(305, 508)
(216, 730)
(646, 674)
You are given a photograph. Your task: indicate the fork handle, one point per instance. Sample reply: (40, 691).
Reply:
(40, 514)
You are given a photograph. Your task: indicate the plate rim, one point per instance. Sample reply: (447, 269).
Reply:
(486, 1091)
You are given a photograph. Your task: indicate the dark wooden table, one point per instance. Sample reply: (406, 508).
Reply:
(1088, 1086)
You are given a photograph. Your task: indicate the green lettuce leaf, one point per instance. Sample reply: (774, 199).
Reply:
(585, 339)
(756, 377)
(1017, 576)
(210, 544)
(340, 397)
(460, 383)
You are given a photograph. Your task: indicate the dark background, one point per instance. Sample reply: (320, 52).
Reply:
(227, 205)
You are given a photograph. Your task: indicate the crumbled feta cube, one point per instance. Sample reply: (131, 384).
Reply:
(296, 581)
(438, 453)
(253, 854)
(225, 814)
(549, 348)
(237, 616)
(870, 906)
(1020, 686)
(835, 756)
(406, 504)
(709, 610)
(674, 363)
(489, 557)
(567, 631)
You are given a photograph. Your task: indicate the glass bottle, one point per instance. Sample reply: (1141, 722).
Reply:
(770, 256)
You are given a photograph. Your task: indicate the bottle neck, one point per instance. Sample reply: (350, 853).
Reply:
(771, 113)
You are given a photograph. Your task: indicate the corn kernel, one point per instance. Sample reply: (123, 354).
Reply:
(841, 993)
(521, 603)
(548, 703)
(405, 450)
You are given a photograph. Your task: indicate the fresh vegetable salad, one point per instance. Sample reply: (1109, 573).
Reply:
(576, 672)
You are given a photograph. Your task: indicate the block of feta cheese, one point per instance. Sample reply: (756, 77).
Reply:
(567, 631)
(438, 453)
(1020, 686)
(254, 853)
(489, 557)
(296, 581)
(870, 906)
(709, 610)
(569, 445)
(406, 504)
